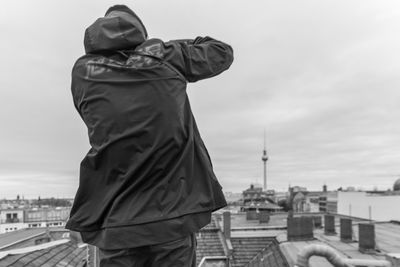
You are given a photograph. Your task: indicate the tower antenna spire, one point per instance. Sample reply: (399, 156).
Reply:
(264, 140)
(264, 158)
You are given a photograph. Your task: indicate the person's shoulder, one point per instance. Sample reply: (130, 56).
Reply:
(83, 60)
(153, 42)
(153, 46)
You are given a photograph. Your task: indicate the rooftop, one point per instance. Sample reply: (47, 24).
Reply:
(60, 254)
(250, 241)
(25, 237)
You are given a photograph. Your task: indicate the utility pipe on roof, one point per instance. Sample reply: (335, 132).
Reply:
(334, 258)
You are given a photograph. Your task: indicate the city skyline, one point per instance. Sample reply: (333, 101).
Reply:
(320, 77)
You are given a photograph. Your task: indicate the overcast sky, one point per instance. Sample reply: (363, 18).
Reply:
(322, 77)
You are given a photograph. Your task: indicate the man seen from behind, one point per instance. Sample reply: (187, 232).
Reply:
(147, 183)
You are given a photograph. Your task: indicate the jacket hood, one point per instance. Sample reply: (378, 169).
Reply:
(118, 30)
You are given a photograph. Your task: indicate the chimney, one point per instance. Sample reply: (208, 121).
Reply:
(329, 221)
(264, 216)
(325, 188)
(346, 230)
(366, 237)
(251, 214)
(300, 228)
(227, 224)
(317, 221)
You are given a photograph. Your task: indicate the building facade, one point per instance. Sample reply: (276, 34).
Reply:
(16, 219)
(328, 202)
(369, 205)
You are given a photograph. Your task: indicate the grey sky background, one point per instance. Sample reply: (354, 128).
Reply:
(322, 77)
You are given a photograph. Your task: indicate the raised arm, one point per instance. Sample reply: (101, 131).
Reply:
(198, 59)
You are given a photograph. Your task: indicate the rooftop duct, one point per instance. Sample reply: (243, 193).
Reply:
(333, 257)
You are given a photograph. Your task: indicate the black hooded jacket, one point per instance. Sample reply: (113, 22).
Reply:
(147, 161)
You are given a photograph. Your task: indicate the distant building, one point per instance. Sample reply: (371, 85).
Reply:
(16, 219)
(11, 220)
(298, 189)
(12, 216)
(328, 202)
(46, 217)
(281, 196)
(378, 205)
(255, 198)
(302, 200)
(256, 194)
(306, 201)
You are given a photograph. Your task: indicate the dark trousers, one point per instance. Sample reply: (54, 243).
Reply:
(177, 253)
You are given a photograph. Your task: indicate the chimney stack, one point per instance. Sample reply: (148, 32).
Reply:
(300, 228)
(317, 221)
(346, 230)
(366, 237)
(251, 214)
(329, 222)
(227, 224)
(264, 216)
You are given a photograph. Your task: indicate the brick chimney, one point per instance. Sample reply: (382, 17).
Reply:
(251, 214)
(227, 224)
(366, 237)
(264, 216)
(317, 221)
(300, 228)
(329, 223)
(346, 230)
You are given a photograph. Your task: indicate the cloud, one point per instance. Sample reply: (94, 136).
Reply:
(320, 77)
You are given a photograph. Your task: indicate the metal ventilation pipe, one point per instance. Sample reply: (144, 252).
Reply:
(334, 258)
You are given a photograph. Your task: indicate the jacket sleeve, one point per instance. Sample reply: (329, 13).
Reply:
(198, 59)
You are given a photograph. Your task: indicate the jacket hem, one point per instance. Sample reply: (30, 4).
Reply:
(74, 227)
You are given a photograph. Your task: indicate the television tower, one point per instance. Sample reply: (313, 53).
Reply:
(264, 158)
